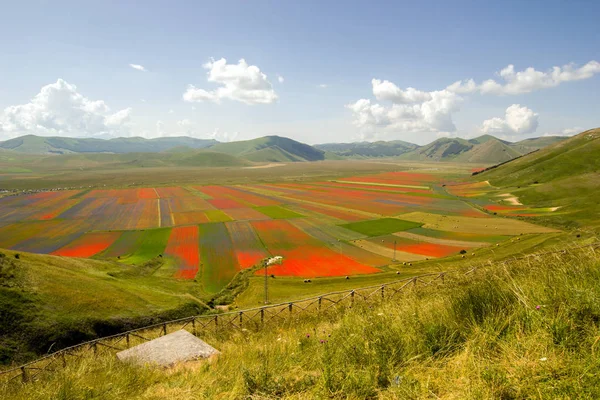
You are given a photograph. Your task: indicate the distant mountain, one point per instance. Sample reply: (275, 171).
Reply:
(484, 149)
(488, 150)
(368, 149)
(271, 149)
(60, 145)
(194, 158)
(443, 149)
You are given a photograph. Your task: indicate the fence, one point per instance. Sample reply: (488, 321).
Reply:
(248, 319)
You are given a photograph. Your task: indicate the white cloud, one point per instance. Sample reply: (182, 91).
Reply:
(386, 90)
(517, 120)
(160, 128)
(280, 79)
(60, 110)
(138, 67)
(184, 123)
(239, 82)
(526, 81)
(411, 110)
(323, 86)
(171, 111)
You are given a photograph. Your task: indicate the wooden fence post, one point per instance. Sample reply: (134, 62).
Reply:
(194, 325)
(127, 340)
(164, 329)
(24, 375)
(262, 316)
(95, 348)
(241, 321)
(382, 292)
(352, 299)
(290, 307)
(320, 301)
(216, 323)
(64, 360)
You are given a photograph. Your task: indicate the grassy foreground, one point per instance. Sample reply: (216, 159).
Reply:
(530, 329)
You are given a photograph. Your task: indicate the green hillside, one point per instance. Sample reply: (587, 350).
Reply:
(271, 149)
(61, 145)
(490, 150)
(84, 161)
(565, 175)
(444, 149)
(46, 299)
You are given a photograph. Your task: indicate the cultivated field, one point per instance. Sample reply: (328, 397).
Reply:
(347, 225)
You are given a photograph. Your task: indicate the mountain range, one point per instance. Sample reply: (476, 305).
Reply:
(187, 151)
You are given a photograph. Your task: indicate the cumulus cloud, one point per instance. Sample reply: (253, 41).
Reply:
(411, 110)
(388, 91)
(280, 79)
(517, 120)
(526, 81)
(138, 67)
(59, 109)
(239, 82)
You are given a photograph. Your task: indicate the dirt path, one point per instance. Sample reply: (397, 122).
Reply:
(447, 242)
(265, 166)
(388, 253)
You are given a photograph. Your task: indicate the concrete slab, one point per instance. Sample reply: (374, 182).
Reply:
(167, 350)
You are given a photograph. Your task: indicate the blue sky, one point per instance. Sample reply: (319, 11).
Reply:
(328, 53)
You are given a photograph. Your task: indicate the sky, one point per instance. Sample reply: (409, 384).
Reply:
(315, 71)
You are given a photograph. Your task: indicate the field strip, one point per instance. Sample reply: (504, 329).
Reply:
(447, 242)
(158, 207)
(297, 201)
(171, 213)
(389, 253)
(384, 184)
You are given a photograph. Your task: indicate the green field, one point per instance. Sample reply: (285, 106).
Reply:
(383, 226)
(277, 212)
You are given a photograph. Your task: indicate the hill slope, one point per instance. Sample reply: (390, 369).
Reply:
(499, 333)
(565, 174)
(271, 149)
(61, 145)
(444, 149)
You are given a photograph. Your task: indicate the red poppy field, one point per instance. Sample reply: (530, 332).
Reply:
(209, 233)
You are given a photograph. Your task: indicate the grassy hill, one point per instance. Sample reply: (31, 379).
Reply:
(565, 174)
(442, 149)
(32, 144)
(524, 330)
(271, 149)
(46, 299)
(490, 150)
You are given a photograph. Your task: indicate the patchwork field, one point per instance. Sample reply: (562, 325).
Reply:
(347, 226)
